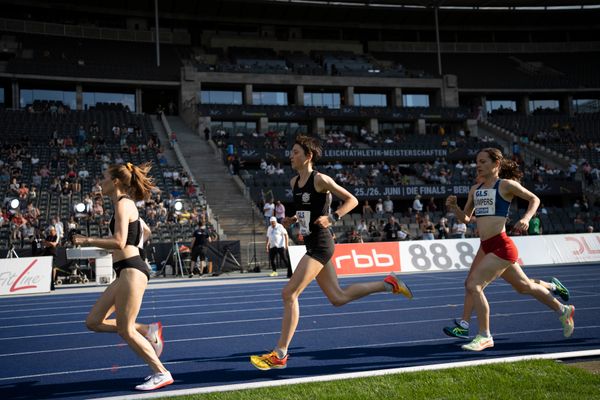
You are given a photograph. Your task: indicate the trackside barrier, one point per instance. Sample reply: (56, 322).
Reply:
(454, 254)
(25, 275)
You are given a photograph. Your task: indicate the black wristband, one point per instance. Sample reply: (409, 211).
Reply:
(334, 217)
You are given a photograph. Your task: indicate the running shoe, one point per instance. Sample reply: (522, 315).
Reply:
(456, 331)
(155, 337)
(560, 290)
(268, 361)
(567, 320)
(274, 273)
(479, 343)
(156, 381)
(398, 286)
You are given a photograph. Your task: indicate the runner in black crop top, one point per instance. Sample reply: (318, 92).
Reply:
(134, 230)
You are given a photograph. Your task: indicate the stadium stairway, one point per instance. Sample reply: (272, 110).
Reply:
(529, 151)
(223, 194)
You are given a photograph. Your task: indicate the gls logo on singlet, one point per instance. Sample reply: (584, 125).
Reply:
(485, 202)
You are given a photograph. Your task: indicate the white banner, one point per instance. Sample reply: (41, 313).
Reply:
(25, 275)
(443, 255)
(457, 254)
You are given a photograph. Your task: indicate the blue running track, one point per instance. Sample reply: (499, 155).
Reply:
(210, 331)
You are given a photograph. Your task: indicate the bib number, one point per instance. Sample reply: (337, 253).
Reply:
(304, 222)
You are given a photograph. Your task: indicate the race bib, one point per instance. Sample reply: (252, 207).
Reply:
(485, 202)
(303, 222)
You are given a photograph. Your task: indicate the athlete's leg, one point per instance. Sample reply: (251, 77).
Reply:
(128, 299)
(308, 268)
(98, 318)
(490, 267)
(468, 301)
(328, 281)
(522, 284)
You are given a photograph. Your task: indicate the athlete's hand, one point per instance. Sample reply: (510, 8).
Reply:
(287, 221)
(521, 225)
(323, 221)
(78, 240)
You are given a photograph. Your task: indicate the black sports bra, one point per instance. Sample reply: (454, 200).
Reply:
(134, 230)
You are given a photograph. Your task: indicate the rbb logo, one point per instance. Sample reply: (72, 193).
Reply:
(366, 258)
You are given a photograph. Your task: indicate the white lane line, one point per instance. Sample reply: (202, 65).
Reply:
(182, 292)
(404, 322)
(303, 316)
(148, 306)
(354, 375)
(581, 353)
(304, 306)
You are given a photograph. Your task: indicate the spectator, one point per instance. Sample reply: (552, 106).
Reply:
(59, 227)
(353, 236)
(443, 229)
(279, 211)
(391, 230)
(431, 207)
(427, 228)
(374, 231)
(16, 223)
(277, 245)
(388, 206)
(367, 211)
(379, 208)
(417, 206)
(458, 230)
(50, 244)
(268, 211)
(535, 225)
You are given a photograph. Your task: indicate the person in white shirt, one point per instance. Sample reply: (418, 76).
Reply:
(277, 244)
(458, 230)
(417, 205)
(388, 206)
(268, 211)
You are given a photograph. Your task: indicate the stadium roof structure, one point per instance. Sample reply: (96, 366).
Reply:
(488, 4)
(231, 15)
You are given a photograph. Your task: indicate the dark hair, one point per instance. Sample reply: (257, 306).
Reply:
(310, 145)
(508, 168)
(135, 178)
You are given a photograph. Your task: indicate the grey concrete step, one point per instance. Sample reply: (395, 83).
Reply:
(228, 204)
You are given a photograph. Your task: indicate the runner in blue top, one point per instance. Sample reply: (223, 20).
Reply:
(489, 201)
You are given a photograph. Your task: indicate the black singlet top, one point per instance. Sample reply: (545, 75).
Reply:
(134, 230)
(310, 204)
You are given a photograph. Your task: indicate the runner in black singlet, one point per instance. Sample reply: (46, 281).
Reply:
(312, 197)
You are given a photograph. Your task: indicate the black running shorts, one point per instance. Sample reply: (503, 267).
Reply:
(132, 262)
(320, 246)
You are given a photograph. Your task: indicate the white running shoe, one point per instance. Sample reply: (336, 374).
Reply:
(155, 338)
(156, 381)
(479, 343)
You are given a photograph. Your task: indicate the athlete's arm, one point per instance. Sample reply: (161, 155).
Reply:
(287, 221)
(462, 215)
(118, 239)
(324, 183)
(515, 189)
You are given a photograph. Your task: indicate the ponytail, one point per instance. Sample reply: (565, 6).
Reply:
(135, 178)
